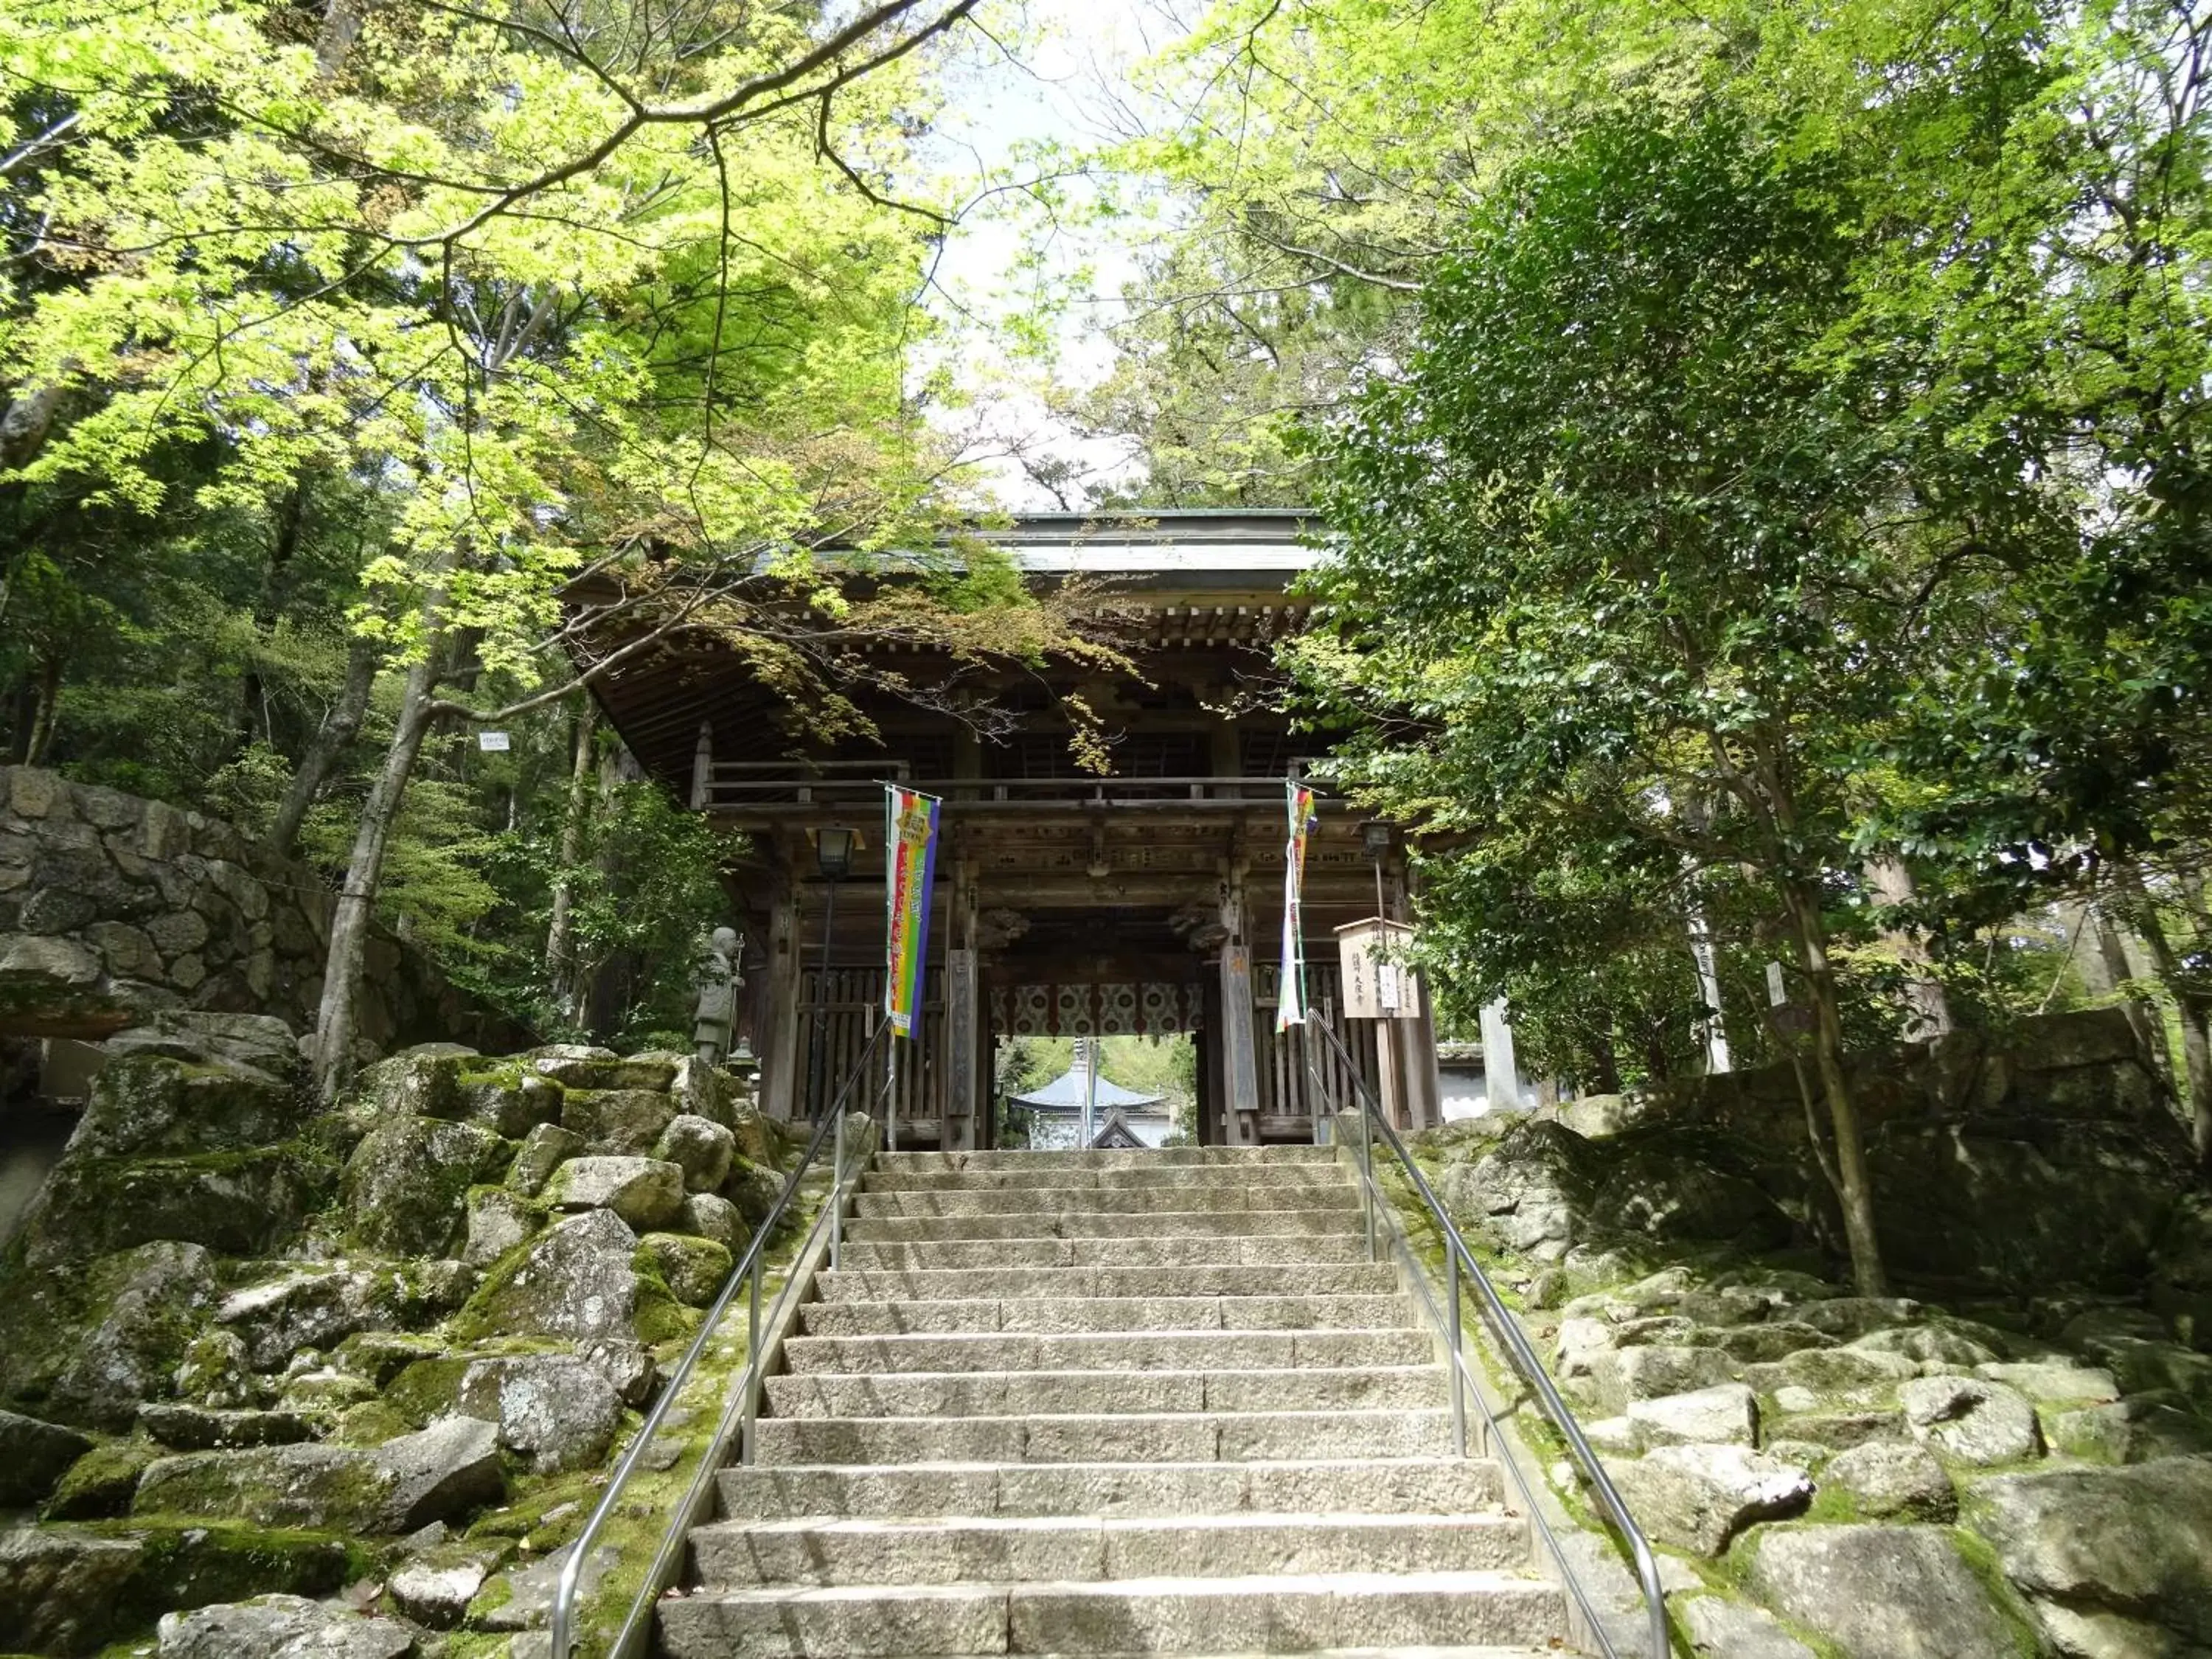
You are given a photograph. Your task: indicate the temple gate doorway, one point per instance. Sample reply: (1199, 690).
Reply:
(1149, 900)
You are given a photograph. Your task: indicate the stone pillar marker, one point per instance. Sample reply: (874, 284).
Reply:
(1501, 1073)
(963, 1037)
(779, 1055)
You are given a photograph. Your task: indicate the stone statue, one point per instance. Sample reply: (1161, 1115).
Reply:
(714, 1027)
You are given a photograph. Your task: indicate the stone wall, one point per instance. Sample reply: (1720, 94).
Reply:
(113, 908)
(2050, 1156)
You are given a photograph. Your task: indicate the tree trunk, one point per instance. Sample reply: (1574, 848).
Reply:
(338, 730)
(1853, 1192)
(596, 998)
(2112, 952)
(341, 26)
(253, 716)
(558, 969)
(38, 735)
(335, 1021)
(2190, 1006)
(1927, 1006)
(1607, 1078)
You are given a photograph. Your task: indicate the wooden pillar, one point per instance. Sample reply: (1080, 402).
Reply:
(964, 1022)
(1240, 1067)
(1418, 1079)
(1211, 1129)
(1240, 1064)
(782, 1064)
(1226, 751)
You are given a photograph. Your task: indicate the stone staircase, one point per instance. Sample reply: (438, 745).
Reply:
(1109, 1403)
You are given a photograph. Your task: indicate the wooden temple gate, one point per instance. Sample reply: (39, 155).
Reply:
(1145, 902)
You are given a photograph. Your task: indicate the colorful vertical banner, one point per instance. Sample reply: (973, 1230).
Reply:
(1290, 1002)
(910, 835)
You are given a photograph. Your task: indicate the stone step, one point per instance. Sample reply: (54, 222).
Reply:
(1287, 1250)
(1043, 1314)
(1127, 1616)
(942, 1550)
(1185, 1436)
(859, 1282)
(1062, 1393)
(1157, 1158)
(1340, 1220)
(1104, 1351)
(1446, 1485)
(1230, 1197)
(1068, 1175)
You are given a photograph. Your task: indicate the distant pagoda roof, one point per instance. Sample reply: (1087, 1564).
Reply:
(1065, 1094)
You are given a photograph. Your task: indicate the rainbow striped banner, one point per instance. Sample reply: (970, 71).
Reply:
(1291, 1000)
(910, 836)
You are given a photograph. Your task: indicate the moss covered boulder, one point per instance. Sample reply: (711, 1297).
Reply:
(577, 1283)
(321, 1305)
(69, 1590)
(146, 1105)
(282, 1627)
(703, 1149)
(559, 1412)
(244, 1202)
(102, 1482)
(575, 1066)
(694, 1269)
(499, 1220)
(544, 1150)
(87, 1346)
(645, 1192)
(626, 1122)
(407, 1184)
(440, 1473)
(33, 1455)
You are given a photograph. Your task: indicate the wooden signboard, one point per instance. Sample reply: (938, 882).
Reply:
(1379, 983)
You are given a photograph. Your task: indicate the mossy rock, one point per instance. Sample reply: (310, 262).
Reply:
(100, 1483)
(408, 1180)
(509, 1101)
(694, 1269)
(621, 1122)
(415, 1084)
(241, 1203)
(437, 1473)
(150, 1105)
(577, 1282)
(426, 1389)
(380, 1356)
(87, 1346)
(753, 1187)
(368, 1424)
(71, 1589)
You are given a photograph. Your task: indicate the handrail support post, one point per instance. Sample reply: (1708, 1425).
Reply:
(837, 1192)
(1452, 1339)
(1367, 1177)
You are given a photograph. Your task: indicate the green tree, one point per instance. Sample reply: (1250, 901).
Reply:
(604, 329)
(1616, 586)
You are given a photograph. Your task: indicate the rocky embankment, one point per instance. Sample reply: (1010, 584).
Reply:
(281, 1379)
(2013, 1468)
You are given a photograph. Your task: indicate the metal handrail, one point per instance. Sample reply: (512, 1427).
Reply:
(745, 1393)
(1460, 1262)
